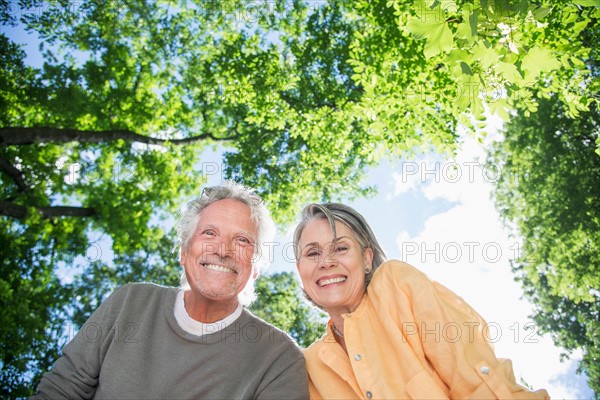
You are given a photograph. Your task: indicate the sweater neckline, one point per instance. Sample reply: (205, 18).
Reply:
(190, 325)
(232, 328)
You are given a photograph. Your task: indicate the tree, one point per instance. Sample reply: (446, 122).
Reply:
(102, 142)
(31, 297)
(550, 191)
(58, 197)
(307, 94)
(281, 302)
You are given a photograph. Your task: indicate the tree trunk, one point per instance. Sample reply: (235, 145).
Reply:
(18, 211)
(22, 136)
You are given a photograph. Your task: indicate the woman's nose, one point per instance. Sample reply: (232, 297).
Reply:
(328, 259)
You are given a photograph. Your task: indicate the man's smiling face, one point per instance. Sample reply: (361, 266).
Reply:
(218, 259)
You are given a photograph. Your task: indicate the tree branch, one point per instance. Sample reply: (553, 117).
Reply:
(18, 211)
(14, 173)
(22, 136)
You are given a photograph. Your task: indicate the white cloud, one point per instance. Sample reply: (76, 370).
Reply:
(467, 249)
(411, 175)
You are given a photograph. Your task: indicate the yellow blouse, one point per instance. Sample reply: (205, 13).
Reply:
(411, 338)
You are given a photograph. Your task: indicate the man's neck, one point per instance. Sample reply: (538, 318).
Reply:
(206, 310)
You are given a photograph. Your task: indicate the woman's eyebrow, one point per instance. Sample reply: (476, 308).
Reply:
(341, 237)
(311, 244)
(316, 244)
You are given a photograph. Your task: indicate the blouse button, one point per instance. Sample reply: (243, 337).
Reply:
(358, 357)
(369, 394)
(484, 370)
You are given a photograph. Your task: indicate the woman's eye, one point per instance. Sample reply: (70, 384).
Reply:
(312, 253)
(341, 248)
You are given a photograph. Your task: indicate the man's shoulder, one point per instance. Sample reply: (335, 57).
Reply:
(139, 292)
(145, 287)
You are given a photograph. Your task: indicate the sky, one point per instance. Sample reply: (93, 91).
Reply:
(438, 215)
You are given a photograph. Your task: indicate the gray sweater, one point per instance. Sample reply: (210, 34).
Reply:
(132, 347)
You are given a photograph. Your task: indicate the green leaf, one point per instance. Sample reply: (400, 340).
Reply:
(439, 40)
(431, 26)
(467, 29)
(539, 60)
(541, 12)
(487, 56)
(588, 3)
(509, 71)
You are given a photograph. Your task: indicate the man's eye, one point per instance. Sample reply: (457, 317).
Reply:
(208, 233)
(243, 240)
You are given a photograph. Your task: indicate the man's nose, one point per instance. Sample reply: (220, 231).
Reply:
(226, 247)
(221, 247)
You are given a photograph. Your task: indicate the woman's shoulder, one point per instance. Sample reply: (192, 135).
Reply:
(311, 352)
(398, 269)
(315, 347)
(395, 276)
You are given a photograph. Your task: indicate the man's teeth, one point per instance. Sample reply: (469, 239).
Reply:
(219, 268)
(330, 281)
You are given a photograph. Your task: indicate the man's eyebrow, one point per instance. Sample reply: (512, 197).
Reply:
(251, 235)
(242, 232)
(207, 226)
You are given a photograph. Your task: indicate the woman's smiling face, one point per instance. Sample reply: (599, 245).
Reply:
(332, 273)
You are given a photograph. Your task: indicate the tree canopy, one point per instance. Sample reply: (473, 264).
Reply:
(552, 195)
(305, 93)
(102, 142)
(281, 302)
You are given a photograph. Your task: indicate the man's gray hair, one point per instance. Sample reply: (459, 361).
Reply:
(190, 214)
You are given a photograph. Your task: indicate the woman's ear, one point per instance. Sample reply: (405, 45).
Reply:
(368, 257)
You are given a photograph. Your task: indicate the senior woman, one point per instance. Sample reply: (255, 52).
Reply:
(392, 333)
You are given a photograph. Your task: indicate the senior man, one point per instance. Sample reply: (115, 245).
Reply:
(196, 341)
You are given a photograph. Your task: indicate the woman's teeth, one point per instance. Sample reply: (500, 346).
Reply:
(325, 282)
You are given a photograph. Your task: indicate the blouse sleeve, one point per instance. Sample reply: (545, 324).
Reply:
(453, 337)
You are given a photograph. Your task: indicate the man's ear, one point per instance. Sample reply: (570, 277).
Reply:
(182, 256)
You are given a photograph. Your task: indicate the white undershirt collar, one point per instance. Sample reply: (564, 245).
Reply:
(198, 328)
